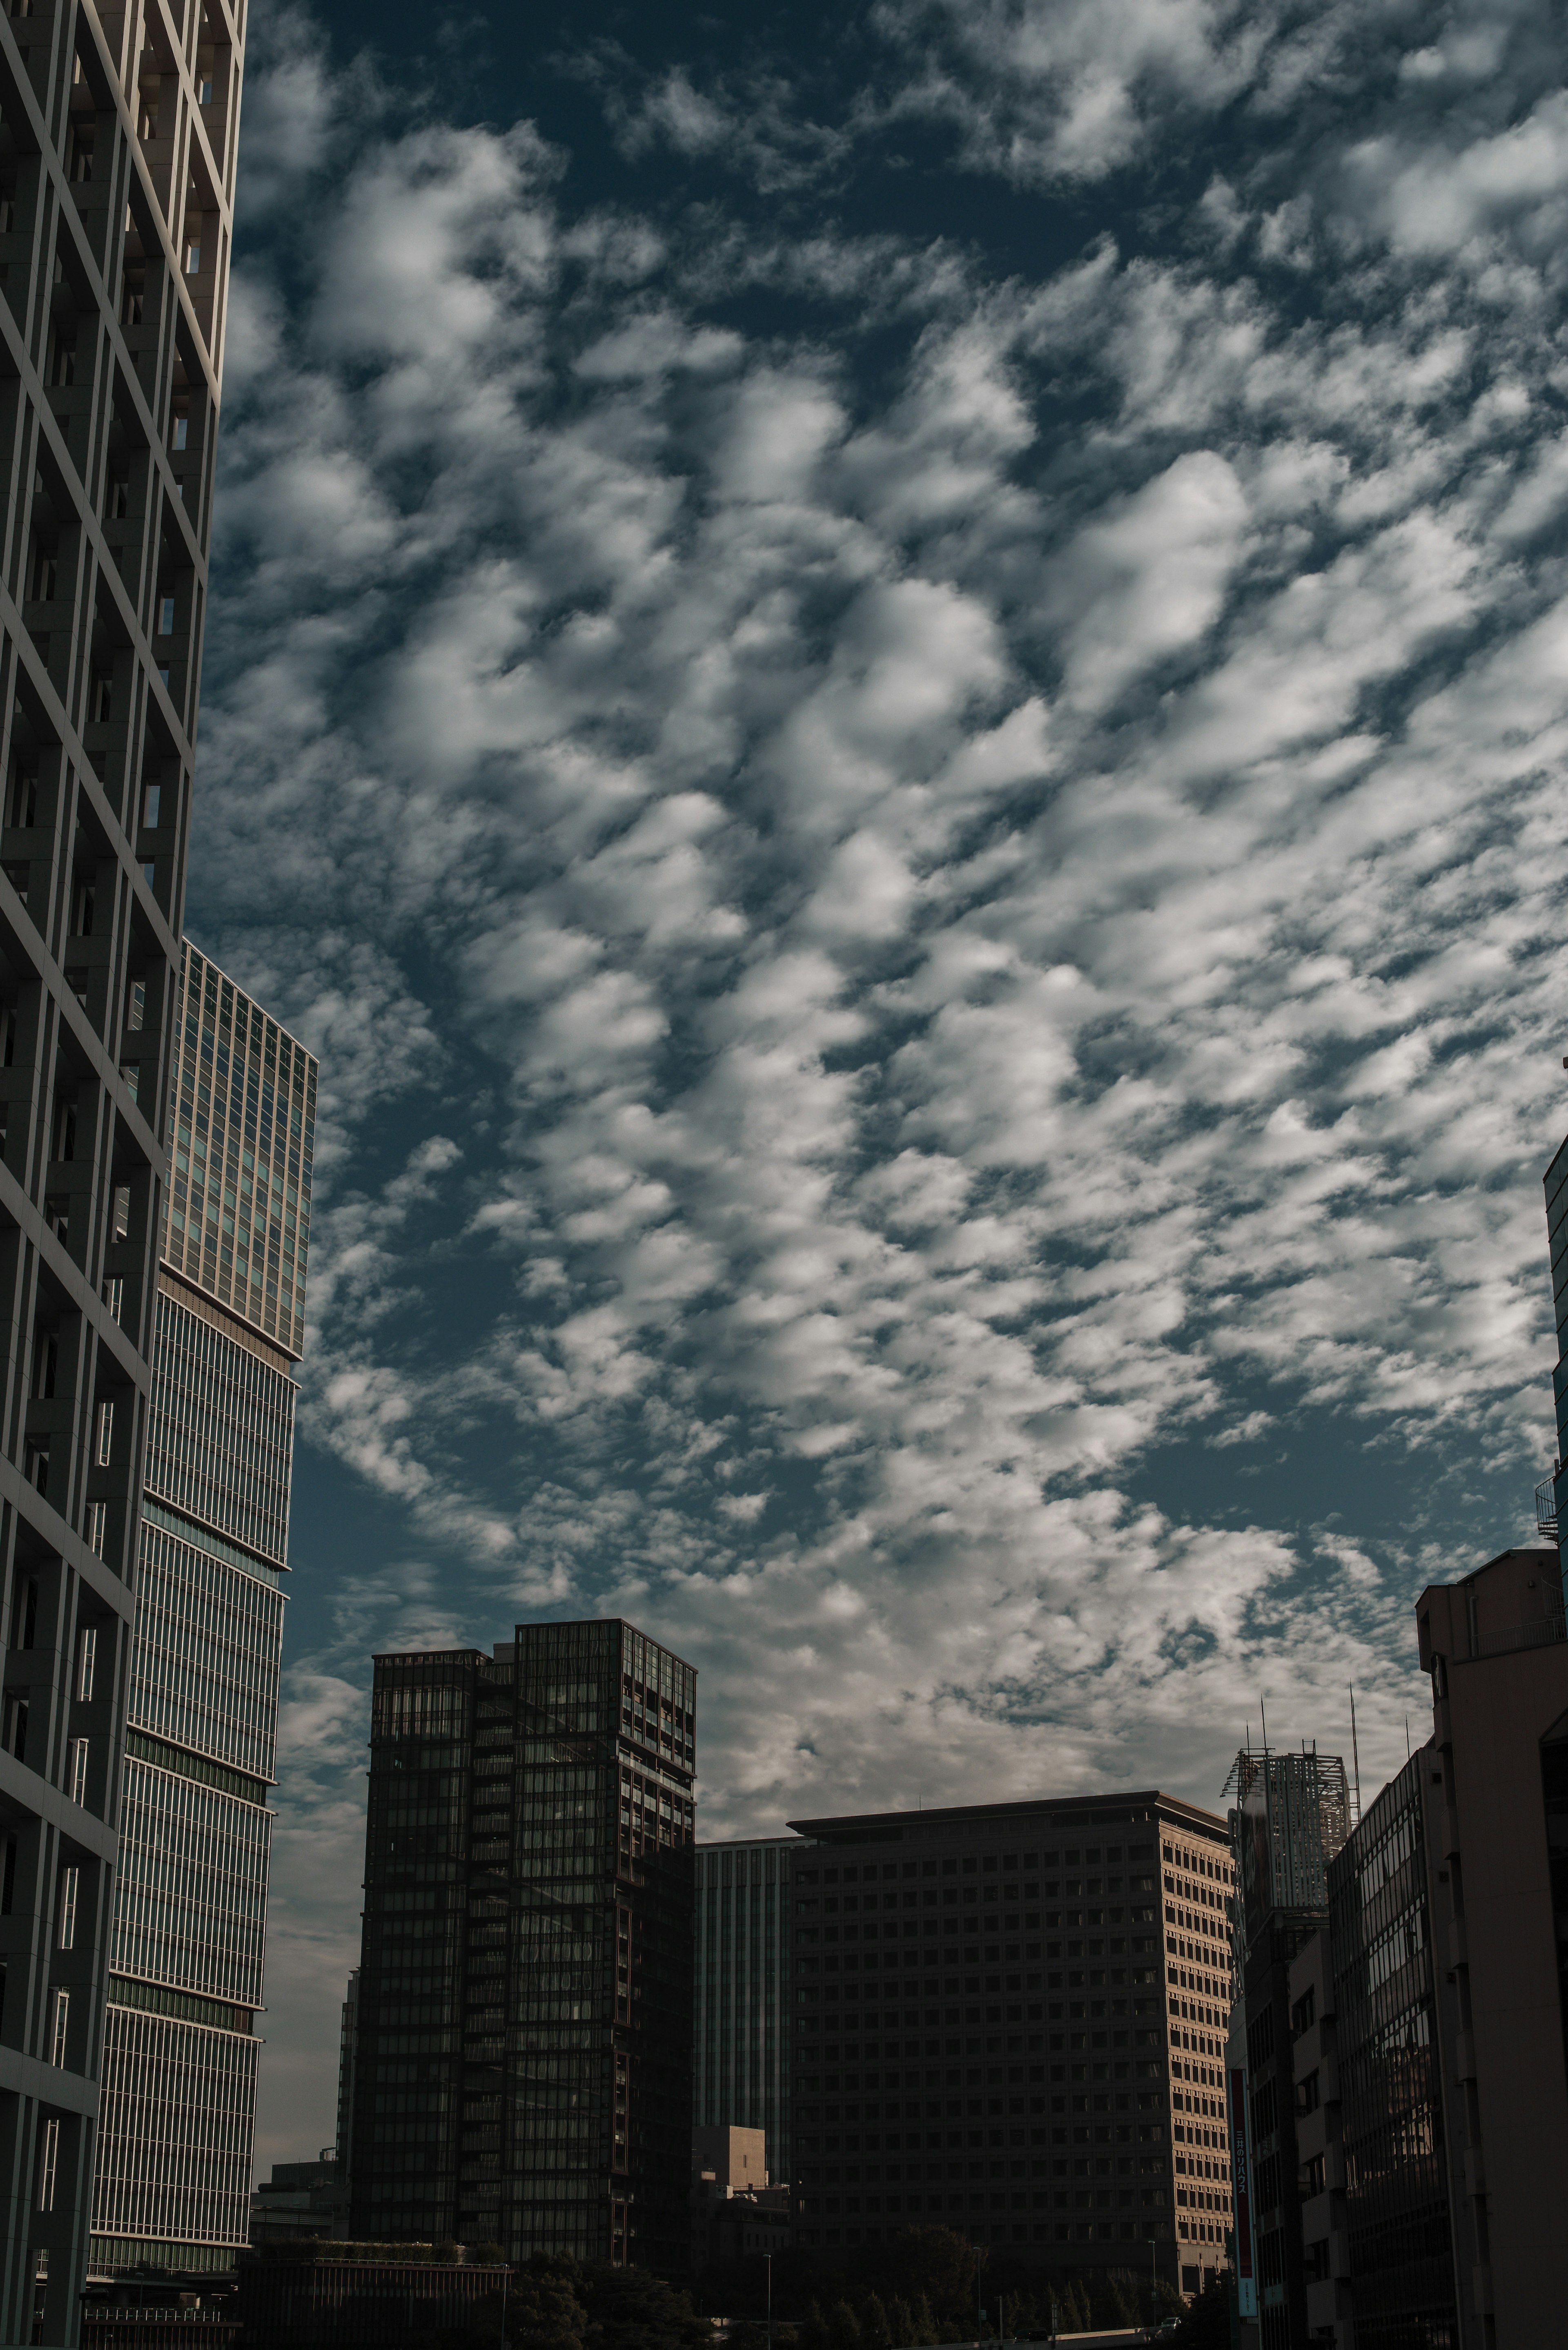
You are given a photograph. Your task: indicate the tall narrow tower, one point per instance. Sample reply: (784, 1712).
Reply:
(178, 2112)
(116, 168)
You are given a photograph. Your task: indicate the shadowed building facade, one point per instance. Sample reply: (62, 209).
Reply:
(116, 187)
(522, 2042)
(743, 1992)
(177, 2117)
(1010, 2019)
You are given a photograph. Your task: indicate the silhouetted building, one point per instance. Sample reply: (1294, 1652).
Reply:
(1010, 2018)
(301, 2200)
(743, 2006)
(523, 2064)
(365, 2297)
(347, 2044)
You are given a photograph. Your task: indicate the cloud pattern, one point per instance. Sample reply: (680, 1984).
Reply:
(932, 893)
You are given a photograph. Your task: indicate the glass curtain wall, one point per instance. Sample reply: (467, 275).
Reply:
(741, 2060)
(189, 1910)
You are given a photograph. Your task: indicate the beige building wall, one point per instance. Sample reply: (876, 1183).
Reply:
(1493, 1643)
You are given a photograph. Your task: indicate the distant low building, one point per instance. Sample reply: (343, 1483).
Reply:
(363, 2297)
(735, 2210)
(301, 2200)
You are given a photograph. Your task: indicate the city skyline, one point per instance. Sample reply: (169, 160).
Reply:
(921, 826)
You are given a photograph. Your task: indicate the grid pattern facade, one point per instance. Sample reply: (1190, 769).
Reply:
(220, 1436)
(204, 1666)
(242, 1100)
(523, 2041)
(175, 2124)
(191, 1896)
(743, 2004)
(1010, 2021)
(1391, 2111)
(116, 186)
(191, 1903)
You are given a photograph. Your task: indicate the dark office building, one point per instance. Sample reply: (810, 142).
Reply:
(522, 2049)
(1010, 2019)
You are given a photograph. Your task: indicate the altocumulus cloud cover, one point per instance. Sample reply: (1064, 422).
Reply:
(896, 711)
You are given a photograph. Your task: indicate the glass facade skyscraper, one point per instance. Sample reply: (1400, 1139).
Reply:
(743, 1994)
(522, 2051)
(177, 2115)
(117, 179)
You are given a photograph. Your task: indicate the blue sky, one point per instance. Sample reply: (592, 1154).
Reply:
(889, 687)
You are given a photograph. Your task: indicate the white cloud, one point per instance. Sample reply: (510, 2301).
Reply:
(921, 960)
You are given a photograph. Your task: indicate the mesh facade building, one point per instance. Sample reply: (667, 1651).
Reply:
(116, 185)
(1011, 2018)
(177, 2117)
(744, 1993)
(522, 2043)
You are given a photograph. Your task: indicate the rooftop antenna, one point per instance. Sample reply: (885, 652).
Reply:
(1355, 1749)
(1263, 1712)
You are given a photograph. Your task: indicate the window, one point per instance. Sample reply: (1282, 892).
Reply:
(79, 1770)
(102, 700)
(136, 994)
(24, 808)
(86, 1662)
(114, 1296)
(70, 1887)
(96, 1526)
(48, 2165)
(57, 2028)
(103, 1433)
(45, 575)
(193, 259)
(179, 429)
(166, 616)
(120, 1212)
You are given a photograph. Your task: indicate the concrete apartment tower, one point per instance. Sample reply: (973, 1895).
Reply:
(177, 2117)
(522, 2066)
(116, 190)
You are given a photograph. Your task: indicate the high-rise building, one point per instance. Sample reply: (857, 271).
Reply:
(744, 1992)
(348, 2043)
(1291, 1815)
(116, 190)
(176, 2116)
(523, 2053)
(1011, 2018)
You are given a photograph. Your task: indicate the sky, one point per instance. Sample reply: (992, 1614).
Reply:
(889, 686)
